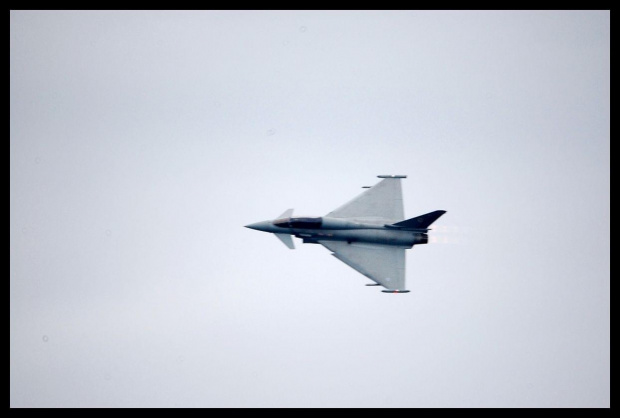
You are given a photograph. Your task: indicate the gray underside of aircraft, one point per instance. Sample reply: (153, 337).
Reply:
(368, 233)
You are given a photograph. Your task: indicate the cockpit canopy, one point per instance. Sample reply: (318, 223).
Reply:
(300, 223)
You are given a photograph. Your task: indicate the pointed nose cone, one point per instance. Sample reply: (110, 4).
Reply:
(259, 226)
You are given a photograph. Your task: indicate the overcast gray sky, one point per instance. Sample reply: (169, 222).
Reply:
(142, 142)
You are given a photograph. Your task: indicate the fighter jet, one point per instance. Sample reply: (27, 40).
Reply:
(369, 233)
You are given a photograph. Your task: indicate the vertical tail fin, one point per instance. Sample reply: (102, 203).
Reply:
(422, 221)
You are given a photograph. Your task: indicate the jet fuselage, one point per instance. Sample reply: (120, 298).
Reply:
(311, 230)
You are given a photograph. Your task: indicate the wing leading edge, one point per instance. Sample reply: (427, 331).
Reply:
(383, 200)
(382, 264)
